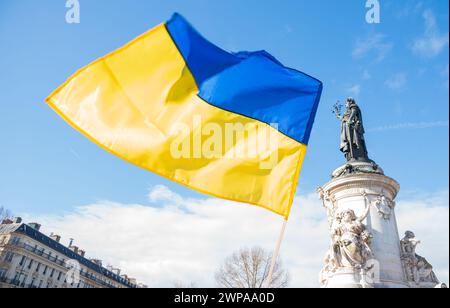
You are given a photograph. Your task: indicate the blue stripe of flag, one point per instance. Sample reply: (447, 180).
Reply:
(253, 84)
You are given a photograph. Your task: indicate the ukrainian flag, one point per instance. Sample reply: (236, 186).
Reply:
(232, 125)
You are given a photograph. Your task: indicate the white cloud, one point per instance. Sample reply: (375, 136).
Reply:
(433, 42)
(366, 75)
(177, 239)
(354, 90)
(75, 153)
(163, 194)
(288, 28)
(396, 82)
(414, 125)
(374, 45)
(409, 8)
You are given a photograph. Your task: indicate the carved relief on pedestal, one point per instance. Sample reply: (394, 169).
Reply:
(329, 203)
(350, 241)
(417, 269)
(384, 206)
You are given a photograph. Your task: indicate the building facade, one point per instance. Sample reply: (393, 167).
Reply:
(30, 259)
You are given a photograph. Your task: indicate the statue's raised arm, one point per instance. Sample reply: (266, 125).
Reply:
(366, 210)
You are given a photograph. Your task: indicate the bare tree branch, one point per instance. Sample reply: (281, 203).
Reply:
(249, 268)
(182, 285)
(4, 213)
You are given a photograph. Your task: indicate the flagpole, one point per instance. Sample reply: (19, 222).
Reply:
(268, 282)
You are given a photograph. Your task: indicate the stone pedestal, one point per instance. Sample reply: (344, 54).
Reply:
(365, 249)
(372, 193)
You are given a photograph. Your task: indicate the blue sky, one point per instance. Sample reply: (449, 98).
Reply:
(397, 70)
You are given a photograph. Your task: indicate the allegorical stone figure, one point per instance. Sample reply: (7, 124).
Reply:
(351, 240)
(417, 268)
(350, 244)
(352, 144)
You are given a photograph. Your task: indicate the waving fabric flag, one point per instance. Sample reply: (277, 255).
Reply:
(232, 125)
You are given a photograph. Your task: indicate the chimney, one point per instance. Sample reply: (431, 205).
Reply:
(7, 221)
(132, 280)
(74, 249)
(55, 237)
(96, 261)
(116, 271)
(82, 253)
(17, 220)
(35, 226)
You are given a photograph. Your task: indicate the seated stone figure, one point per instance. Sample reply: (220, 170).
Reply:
(417, 268)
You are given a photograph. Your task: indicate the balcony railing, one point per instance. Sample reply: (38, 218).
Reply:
(14, 282)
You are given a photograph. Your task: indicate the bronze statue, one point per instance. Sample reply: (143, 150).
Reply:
(352, 144)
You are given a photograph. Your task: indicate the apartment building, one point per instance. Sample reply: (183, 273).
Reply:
(31, 259)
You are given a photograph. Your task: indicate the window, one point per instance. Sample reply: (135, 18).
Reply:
(22, 280)
(52, 273)
(45, 270)
(9, 256)
(22, 262)
(3, 273)
(15, 240)
(38, 267)
(59, 275)
(30, 264)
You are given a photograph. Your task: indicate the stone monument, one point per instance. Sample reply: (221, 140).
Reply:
(366, 250)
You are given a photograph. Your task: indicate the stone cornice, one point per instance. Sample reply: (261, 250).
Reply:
(362, 180)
